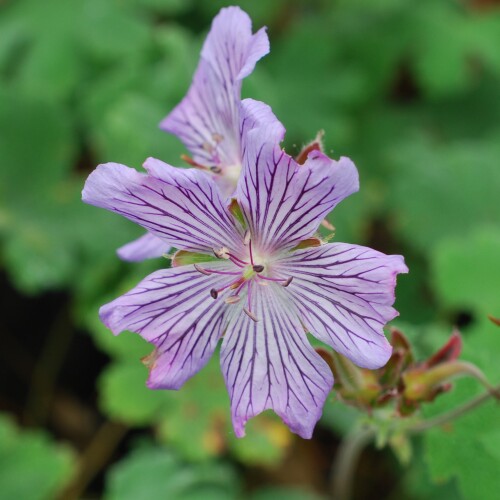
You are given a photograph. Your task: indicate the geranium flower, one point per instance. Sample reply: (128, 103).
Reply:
(207, 119)
(261, 286)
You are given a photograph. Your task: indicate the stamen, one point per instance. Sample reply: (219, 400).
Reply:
(326, 224)
(231, 256)
(250, 250)
(214, 293)
(243, 283)
(267, 278)
(233, 299)
(249, 295)
(285, 282)
(233, 285)
(209, 272)
(201, 270)
(221, 253)
(207, 147)
(258, 268)
(215, 170)
(250, 314)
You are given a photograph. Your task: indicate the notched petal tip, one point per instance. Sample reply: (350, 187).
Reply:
(157, 381)
(109, 314)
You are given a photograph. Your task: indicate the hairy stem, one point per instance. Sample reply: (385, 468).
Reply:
(344, 465)
(453, 414)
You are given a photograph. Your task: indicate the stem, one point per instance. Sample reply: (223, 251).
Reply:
(455, 413)
(46, 369)
(97, 454)
(344, 465)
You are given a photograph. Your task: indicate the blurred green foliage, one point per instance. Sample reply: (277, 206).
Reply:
(409, 90)
(31, 465)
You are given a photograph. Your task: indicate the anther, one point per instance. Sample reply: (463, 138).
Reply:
(207, 147)
(247, 238)
(214, 293)
(250, 314)
(233, 299)
(201, 270)
(288, 281)
(237, 284)
(221, 253)
(258, 268)
(215, 170)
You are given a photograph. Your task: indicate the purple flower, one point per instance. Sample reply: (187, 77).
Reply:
(207, 119)
(259, 289)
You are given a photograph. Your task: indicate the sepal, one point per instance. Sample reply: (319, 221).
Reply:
(314, 145)
(185, 258)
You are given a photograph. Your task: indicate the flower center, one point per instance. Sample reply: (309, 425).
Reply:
(243, 277)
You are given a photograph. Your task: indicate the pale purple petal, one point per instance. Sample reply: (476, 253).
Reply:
(270, 364)
(173, 310)
(183, 207)
(207, 119)
(256, 114)
(344, 294)
(147, 246)
(284, 202)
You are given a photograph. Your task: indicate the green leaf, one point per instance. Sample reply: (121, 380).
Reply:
(459, 450)
(171, 7)
(155, 473)
(441, 33)
(443, 191)
(467, 448)
(110, 32)
(194, 420)
(37, 138)
(198, 423)
(466, 271)
(285, 494)
(31, 466)
(125, 397)
(126, 346)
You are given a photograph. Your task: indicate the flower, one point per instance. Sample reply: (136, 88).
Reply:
(207, 119)
(262, 286)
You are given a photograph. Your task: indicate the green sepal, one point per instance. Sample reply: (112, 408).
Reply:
(184, 258)
(235, 209)
(308, 243)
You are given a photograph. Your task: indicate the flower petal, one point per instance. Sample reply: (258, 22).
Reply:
(256, 114)
(269, 364)
(147, 246)
(344, 294)
(207, 119)
(183, 207)
(173, 310)
(284, 202)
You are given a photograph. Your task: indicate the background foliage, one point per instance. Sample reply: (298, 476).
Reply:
(409, 90)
